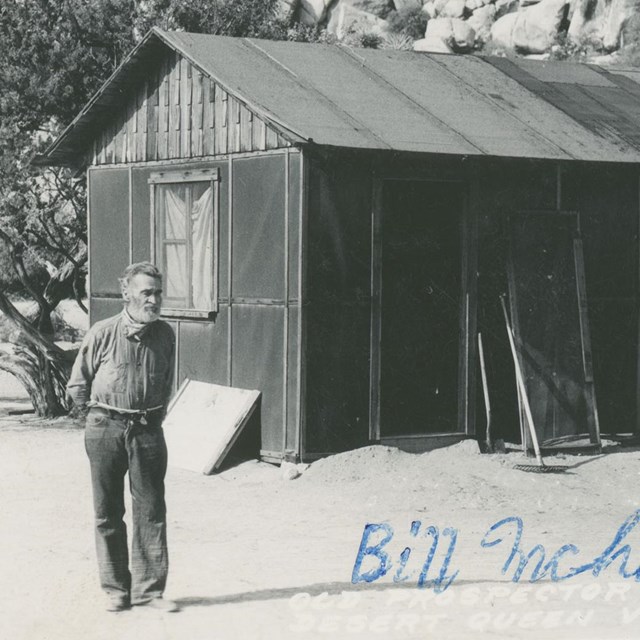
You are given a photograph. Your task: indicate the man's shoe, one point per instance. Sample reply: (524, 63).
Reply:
(118, 603)
(162, 604)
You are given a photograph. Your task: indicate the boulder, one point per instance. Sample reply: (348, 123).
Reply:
(585, 19)
(481, 21)
(343, 19)
(407, 5)
(439, 5)
(464, 36)
(377, 7)
(286, 8)
(429, 9)
(431, 46)
(527, 3)
(502, 31)
(604, 21)
(620, 12)
(453, 9)
(505, 6)
(446, 35)
(314, 11)
(289, 471)
(438, 37)
(536, 28)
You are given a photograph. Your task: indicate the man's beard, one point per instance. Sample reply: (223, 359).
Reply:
(144, 314)
(149, 315)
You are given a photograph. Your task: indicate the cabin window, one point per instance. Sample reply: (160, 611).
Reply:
(185, 239)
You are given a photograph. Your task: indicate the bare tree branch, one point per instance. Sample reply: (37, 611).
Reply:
(48, 348)
(54, 291)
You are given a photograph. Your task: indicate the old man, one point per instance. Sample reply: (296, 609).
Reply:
(123, 378)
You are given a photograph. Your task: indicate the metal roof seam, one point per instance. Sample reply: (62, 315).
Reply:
(347, 52)
(488, 99)
(354, 122)
(273, 59)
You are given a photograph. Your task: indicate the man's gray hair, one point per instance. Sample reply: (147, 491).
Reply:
(147, 268)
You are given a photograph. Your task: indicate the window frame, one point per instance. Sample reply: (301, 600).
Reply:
(181, 177)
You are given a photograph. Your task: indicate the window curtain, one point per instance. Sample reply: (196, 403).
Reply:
(175, 218)
(202, 250)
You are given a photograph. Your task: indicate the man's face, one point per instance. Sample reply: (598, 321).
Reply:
(143, 296)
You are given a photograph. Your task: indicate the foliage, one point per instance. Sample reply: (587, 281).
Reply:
(239, 18)
(566, 48)
(248, 18)
(43, 255)
(397, 41)
(299, 32)
(409, 22)
(54, 55)
(369, 40)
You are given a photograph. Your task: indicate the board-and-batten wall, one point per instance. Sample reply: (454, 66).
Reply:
(179, 112)
(253, 341)
(179, 115)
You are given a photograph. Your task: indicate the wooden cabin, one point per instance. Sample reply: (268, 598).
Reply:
(336, 226)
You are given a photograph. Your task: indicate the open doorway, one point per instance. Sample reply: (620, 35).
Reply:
(421, 294)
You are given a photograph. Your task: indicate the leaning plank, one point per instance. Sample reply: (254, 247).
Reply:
(203, 422)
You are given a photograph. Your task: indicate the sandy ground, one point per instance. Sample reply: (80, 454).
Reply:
(256, 556)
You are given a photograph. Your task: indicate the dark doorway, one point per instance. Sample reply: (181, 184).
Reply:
(549, 315)
(421, 294)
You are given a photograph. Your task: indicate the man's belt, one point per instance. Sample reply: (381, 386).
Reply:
(125, 412)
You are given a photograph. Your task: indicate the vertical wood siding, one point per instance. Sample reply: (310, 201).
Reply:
(177, 112)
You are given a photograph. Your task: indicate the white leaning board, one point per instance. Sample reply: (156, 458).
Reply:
(203, 422)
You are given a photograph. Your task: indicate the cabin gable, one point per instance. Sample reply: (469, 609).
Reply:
(178, 112)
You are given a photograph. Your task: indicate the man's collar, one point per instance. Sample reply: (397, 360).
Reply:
(131, 327)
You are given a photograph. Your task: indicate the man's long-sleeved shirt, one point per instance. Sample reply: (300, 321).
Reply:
(129, 372)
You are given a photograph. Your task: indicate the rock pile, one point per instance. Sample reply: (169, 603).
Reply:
(524, 26)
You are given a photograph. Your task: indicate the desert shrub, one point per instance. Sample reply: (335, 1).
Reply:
(566, 48)
(298, 32)
(369, 40)
(397, 41)
(411, 23)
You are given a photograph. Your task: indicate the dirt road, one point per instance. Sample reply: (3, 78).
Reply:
(255, 556)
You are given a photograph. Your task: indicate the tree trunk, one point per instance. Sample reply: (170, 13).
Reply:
(24, 366)
(43, 381)
(38, 363)
(53, 379)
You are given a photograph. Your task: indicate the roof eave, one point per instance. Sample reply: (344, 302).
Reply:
(50, 153)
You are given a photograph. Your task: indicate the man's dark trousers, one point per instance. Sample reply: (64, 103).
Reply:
(116, 444)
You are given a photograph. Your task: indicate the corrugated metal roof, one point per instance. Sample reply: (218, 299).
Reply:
(381, 99)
